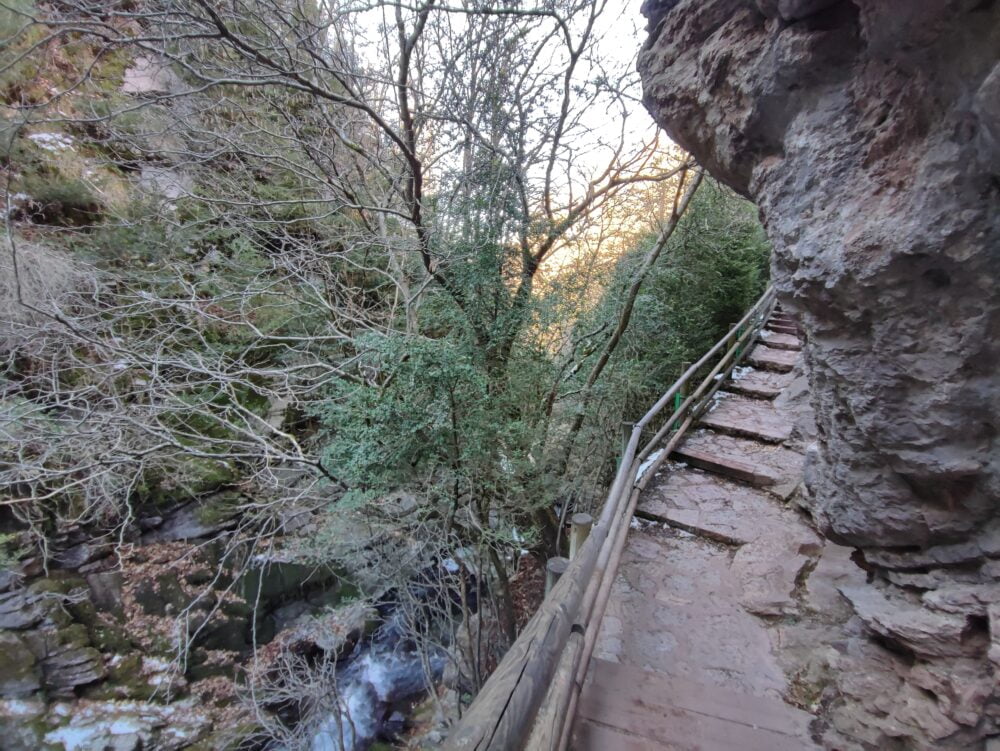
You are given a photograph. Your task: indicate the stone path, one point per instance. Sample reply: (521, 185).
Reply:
(688, 654)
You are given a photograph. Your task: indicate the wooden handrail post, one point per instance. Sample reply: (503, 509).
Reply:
(554, 568)
(580, 525)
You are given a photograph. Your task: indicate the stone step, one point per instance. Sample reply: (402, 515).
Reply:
(778, 340)
(762, 465)
(768, 358)
(759, 384)
(781, 328)
(626, 708)
(725, 465)
(750, 418)
(710, 506)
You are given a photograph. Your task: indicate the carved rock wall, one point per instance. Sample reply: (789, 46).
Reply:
(868, 133)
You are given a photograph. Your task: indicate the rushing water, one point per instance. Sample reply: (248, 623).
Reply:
(369, 686)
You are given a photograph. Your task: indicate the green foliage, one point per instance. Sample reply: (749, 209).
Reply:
(712, 270)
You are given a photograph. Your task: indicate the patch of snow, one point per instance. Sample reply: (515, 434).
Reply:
(638, 523)
(741, 372)
(651, 459)
(51, 141)
(717, 399)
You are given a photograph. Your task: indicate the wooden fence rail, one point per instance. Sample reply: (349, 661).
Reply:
(530, 699)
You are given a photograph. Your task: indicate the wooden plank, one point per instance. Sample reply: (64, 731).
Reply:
(686, 715)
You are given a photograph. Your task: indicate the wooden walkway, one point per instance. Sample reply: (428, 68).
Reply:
(685, 658)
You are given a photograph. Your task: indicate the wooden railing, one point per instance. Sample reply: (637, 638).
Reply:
(530, 700)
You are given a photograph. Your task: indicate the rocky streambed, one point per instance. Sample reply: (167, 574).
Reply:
(144, 645)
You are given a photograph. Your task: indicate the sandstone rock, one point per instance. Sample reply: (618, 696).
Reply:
(993, 612)
(966, 600)
(911, 626)
(106, 590)
(149, 76)
(858, 135)
(81, 554)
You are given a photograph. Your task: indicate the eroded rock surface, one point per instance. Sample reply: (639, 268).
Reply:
(867, 132)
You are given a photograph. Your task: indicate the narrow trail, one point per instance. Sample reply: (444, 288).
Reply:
(688, 655)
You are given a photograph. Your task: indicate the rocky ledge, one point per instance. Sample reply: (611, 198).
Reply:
(868, 133)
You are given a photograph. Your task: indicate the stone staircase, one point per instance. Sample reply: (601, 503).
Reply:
(685, 659)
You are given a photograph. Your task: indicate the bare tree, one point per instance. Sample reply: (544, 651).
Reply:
(303, 180)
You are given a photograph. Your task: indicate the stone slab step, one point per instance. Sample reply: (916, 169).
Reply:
(750, 418)
(759, 384)
(624, 707)
(768, 358)
(778, 340)
(727, 466)
(711, 506)
(763, 465)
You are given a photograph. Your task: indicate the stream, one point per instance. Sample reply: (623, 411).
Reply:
(384, 673)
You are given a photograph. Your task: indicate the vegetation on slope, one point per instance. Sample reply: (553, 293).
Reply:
(372, 286)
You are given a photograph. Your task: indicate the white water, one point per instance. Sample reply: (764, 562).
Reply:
(367, 687)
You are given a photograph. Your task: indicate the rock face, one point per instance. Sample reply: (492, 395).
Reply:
(868, 133)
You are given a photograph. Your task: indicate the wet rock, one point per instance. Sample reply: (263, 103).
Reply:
(20, 674)
(334, 632)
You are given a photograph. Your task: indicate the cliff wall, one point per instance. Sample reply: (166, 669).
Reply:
(868, 133)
